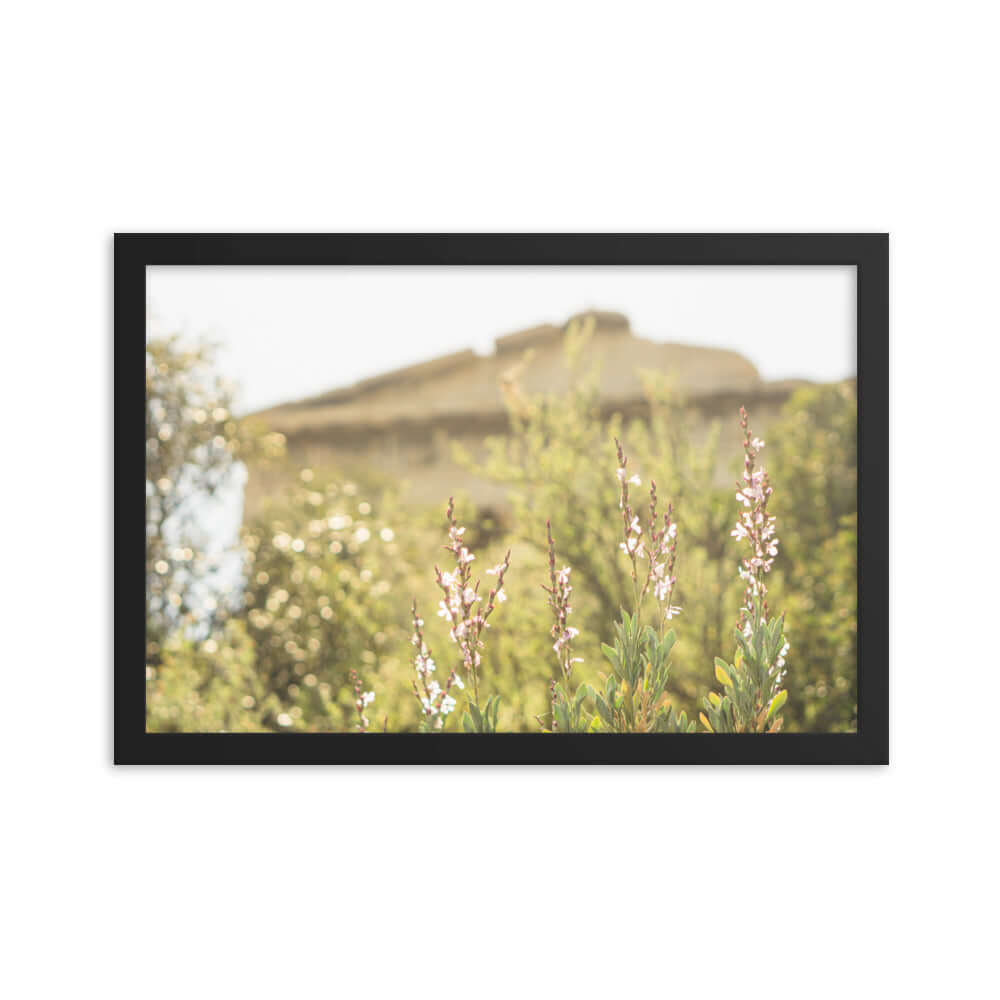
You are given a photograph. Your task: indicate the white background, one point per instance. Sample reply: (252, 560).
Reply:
(702, 881)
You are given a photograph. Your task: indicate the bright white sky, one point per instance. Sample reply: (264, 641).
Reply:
(289, 332)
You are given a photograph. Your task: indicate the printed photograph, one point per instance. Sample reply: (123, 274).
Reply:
(501, 499)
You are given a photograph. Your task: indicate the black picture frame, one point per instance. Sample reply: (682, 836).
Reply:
(868, 252)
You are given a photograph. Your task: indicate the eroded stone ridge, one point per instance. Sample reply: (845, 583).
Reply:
(403, 421)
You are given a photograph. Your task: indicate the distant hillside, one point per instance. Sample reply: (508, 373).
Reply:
(403, 421)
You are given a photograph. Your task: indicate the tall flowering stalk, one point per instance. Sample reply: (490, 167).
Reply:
(633, 545)
(559, 592)
(436, 702)
(566, 706)
(634, 697)
(362, 699)
(752, 696)
(662, 556)
(660, 552)
(755, 525)
(462, 608)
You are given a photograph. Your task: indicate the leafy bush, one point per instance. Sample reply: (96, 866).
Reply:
(209, 685)
(815, 460)
(634, 697)
(325, 573)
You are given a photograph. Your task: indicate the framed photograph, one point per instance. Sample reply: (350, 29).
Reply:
(502, 498)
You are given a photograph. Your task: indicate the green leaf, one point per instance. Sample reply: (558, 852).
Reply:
(562, 717)
(776, 702)
(721, 672)
(477, 717)
(668, 643)
(603, 711)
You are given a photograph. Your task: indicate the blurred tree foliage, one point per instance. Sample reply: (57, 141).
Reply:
(814, 470)
(332, 563)
(193, 449)
(327, 574)
(209, 685)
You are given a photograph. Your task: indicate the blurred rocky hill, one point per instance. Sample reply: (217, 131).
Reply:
(402, 423)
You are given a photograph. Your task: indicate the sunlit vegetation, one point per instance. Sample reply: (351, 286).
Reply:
(599, 603)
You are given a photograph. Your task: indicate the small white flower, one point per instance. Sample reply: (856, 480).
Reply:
(500, 596)
(633, 546)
